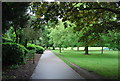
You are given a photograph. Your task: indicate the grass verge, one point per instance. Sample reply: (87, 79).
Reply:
(103, 64)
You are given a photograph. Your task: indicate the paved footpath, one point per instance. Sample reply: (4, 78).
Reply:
(51, 67)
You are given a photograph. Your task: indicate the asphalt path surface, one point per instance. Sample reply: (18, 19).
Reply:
(52, 67)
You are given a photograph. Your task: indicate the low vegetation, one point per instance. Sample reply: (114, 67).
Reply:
(38, 49)
(103, 64)
(13, 53)
(6, 40)
(17, 54)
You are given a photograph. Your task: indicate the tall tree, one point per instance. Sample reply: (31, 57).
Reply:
(14, 14)
(90, 18)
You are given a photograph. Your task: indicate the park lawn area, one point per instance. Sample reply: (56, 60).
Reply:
(103, 64)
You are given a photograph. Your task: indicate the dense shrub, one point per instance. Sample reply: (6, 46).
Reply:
(13, 53)
(6, 40)
(37, 48)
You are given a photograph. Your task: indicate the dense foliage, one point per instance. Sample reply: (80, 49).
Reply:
(38, 49)
(13, 53)
(13, 14)
(91, 19)
(6, 40)
(55, 25)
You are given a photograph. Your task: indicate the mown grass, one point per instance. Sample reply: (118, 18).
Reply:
(103, 64)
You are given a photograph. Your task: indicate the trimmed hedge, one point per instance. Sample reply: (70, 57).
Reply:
(6, 40)
(37, 48)
(13, 53)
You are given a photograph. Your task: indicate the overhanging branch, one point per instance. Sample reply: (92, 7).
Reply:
(100, 8)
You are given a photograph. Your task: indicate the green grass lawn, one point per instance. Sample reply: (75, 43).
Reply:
(103, 64)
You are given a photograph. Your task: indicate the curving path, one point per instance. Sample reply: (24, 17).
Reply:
(51, 67)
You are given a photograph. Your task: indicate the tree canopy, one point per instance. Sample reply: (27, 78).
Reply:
(63, 24)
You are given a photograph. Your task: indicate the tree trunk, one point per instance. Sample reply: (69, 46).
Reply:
(102, 50)
(32, 41)
(86, 50)
(60, 49)
(33, 58)
(71, 48)
(78, 48)
(46, 47)
(53, 48)
(25, 42)
(16, 35)
(20, 39)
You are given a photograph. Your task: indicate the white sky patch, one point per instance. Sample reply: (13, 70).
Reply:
(58, 2)
(49, 0)
(42, 17)
(29, 12)
(59, 18)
